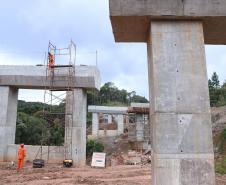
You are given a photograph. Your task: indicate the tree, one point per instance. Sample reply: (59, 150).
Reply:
(217, 93)
(33, 128)
(224, 85)
(139, 99)
(93, 146)
(215, 80)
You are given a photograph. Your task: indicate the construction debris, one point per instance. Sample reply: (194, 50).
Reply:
(131, 158)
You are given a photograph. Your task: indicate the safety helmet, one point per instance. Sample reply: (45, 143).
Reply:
(22, 145)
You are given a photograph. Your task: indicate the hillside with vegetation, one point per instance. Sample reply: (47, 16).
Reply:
(218, 115)
(34, 130)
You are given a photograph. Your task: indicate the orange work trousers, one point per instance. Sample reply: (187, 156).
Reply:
(20, 164)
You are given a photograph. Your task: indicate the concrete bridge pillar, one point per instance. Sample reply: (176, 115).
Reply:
(180, 110)
(109, 118)
(175, 32)
(79, 124)
(8, 115)
(95, 124)
(120, 124)
(77, 104)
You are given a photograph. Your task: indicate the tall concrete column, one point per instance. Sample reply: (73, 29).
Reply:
(79, 123)
(180, 112)
(95, 124)
(77, 101)
(140, 127)
(109, 118)
(120, 124)
(8, 115)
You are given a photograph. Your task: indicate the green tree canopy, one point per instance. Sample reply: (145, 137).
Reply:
(216, 91)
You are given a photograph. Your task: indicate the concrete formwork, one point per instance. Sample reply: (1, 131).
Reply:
(175, 32)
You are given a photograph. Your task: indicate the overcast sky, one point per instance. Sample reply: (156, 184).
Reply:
(27, 26)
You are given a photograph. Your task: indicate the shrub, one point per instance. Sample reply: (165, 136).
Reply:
(93, 146)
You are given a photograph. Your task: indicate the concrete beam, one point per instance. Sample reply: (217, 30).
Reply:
(107, 110)
(140, 105)
(34, 77)
(8, 114)
(131, 18)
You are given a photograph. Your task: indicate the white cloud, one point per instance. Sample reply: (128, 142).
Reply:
(216, 61)
(137, 82)
(8, 58)
(29, 25)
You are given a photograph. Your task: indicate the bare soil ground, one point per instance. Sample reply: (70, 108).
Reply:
(52, 174)
(55, 174)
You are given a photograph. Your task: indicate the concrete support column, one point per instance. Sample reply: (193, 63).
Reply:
(180, 112)
(79, 124)
(8, 115)
(77, 103)
(109, 118)
(95, 124)
(120, 124)
(140, 127)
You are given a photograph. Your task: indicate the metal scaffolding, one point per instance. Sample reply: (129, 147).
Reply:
(53, 96)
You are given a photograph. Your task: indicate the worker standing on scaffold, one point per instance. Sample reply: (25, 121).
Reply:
(21, 156)
(51, 61)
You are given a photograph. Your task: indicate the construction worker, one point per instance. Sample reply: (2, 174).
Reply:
(21, 156)
(51, 60)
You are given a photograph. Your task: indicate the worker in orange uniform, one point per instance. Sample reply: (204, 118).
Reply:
(21, 156)
(51, 60)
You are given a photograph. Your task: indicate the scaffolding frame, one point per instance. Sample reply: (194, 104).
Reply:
(51, 99)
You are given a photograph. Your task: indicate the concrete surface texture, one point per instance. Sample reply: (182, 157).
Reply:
(131, 18)
(181, 126)
(34, 77)
(8, 114)
(175, 32)
(78, 126)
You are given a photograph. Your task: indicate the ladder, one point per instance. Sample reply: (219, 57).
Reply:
(53, 71)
